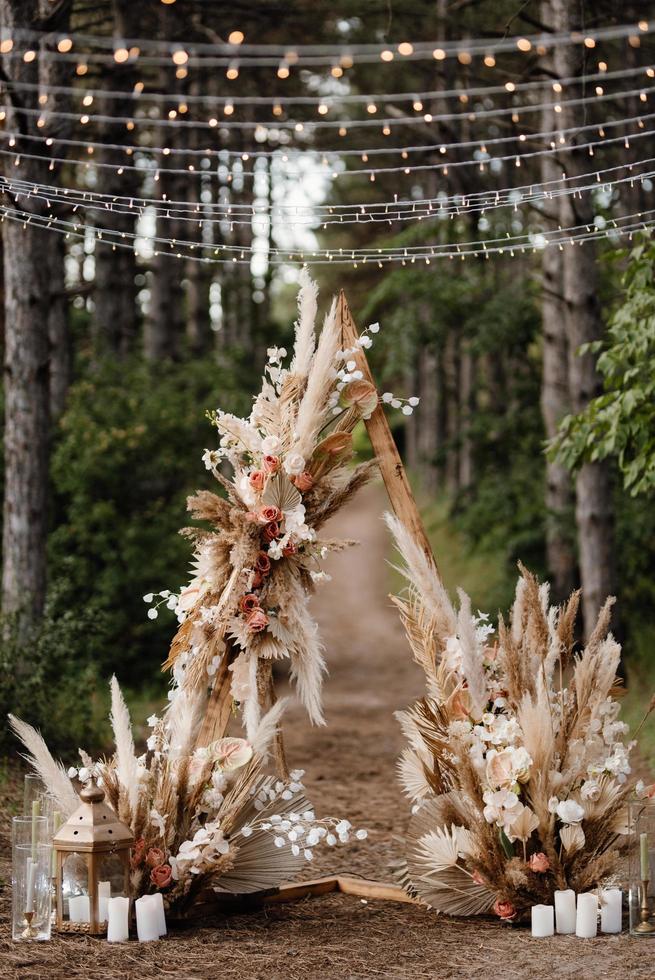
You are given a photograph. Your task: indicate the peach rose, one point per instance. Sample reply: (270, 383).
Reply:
(155, 857)
(304, 481)
(263, 563)
(271, 531)
(257, 480)
(248, 602)
(161, 876)
(271, 464)
(539, 863)
(269, 514)
(504, 910)
(257, 621)
(137, 852)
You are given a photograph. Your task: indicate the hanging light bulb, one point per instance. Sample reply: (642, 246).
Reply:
(64, 45)
(405, 48)
(180, 57)
(121, 55)
(232, 71)
(236, 37)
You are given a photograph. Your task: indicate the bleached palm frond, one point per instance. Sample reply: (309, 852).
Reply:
(305, 339)
(472, 666)
(267, 729)
(572, 838)
(52, 773)
(412, 775)
(126, 764)
(320, 382)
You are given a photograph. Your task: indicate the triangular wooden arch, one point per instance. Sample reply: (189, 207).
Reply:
(401, 498)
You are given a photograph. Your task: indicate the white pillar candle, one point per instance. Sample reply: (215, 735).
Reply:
(104, 893)
(147, 919)
(158, 904)
(79, 908)
(611, 901)
(586, 923)
(543, 920)
(565, 911)
(118, 927)
(31, 885)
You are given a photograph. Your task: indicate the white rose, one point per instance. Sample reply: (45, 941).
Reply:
(294, 464)
(270, 446)
(590, 790)
(570, 812)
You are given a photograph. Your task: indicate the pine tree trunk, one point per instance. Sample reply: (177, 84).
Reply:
(26, 374)
(555, 403)
(593, 492)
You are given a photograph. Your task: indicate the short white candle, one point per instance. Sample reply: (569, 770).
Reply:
(147, 919)
(79, 908)
(586, 923)
(611, 902)
(565, 911)
(158, 903)
(543, 920)
(104, 893)
(118, 928)
(31, 884)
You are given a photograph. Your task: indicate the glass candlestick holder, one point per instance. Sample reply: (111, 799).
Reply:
(31, 878)
(641, 894)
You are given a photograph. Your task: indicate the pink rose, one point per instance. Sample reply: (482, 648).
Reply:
(161, 876)
(271, 531)
(248, 602)
(539, 863)
(155, 857)
(257, 479)
(257, 621)
(304, 481)
(263, 563)
(137, 852)
(504, 910)
(270, 514)
(271, 464)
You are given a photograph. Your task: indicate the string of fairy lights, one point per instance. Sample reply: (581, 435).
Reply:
(225, 167)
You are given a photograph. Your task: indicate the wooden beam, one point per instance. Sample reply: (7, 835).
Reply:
(391, 465)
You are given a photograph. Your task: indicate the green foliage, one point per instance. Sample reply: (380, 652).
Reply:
(620, 423)
(127, 454)
(48, 675)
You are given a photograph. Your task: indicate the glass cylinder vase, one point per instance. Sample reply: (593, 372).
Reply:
(642, 868)
(31, 878)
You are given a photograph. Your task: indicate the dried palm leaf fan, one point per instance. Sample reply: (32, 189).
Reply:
(516, 765)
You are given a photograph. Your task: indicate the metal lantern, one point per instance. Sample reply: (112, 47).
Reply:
(92, 856)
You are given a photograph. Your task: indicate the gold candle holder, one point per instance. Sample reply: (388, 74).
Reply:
(29, 932)
(645, 926)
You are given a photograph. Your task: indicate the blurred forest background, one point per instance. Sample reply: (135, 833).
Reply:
(112, 357)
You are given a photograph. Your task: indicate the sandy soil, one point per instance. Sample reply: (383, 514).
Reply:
(350, 772)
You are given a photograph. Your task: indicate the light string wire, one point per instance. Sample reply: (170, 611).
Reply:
(267, 54)
(328, 98)
(387, 212)
(315, 124)
(281, 154)
(407, 251)
(443, 168)
(566, 236)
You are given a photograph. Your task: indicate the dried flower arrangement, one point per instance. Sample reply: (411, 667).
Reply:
(246, 605)
(205, 820)
(517, 766)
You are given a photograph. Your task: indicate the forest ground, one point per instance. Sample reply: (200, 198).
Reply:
(350, 772)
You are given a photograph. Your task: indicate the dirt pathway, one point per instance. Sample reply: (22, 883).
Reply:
(350, 772)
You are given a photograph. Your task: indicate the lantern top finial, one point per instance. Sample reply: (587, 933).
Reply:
(94, 826)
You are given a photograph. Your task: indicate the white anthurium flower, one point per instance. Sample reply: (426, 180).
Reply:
(231, 753)
(570, 812)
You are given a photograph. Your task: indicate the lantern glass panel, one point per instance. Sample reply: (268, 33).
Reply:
(75, 888)
(112, 880)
